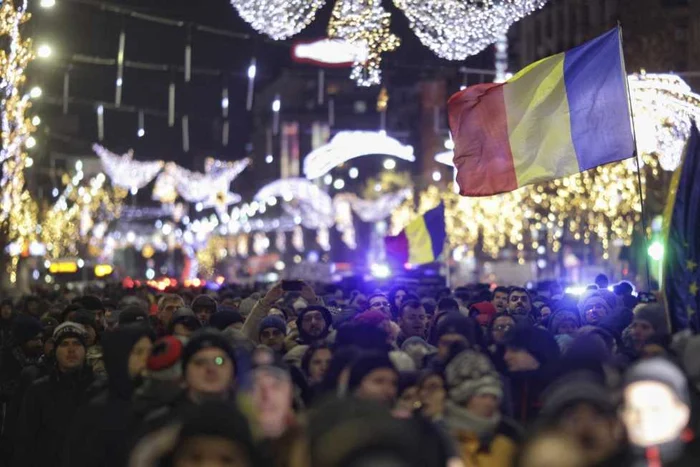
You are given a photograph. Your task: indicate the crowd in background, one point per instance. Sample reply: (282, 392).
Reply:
(369, 375)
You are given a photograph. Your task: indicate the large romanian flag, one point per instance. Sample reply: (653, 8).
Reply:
(559, 116)
(421, 241)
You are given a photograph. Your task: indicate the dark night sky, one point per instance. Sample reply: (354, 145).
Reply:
(73, 27)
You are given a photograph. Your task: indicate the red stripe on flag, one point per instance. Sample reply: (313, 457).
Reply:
(479, 127)
(397, 248)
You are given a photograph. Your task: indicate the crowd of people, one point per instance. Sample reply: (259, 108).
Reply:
(325, 376)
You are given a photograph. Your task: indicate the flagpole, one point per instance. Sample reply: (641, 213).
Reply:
(638, 163)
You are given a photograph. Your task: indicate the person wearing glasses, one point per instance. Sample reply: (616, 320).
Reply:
(380, 302)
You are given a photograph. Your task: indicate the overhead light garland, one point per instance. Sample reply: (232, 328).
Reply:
(347, 145)
(124, 171)
(664, 107)
(457, 29)
(364, 23)
(279, 19)
(452, 29)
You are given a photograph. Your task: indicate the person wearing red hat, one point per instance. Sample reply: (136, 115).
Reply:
(482, 312)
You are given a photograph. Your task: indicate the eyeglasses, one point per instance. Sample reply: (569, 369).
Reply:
(503, 327)
(379, 304)
(203, 361)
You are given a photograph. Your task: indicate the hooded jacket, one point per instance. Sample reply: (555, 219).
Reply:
(50, 404)
(98, 436)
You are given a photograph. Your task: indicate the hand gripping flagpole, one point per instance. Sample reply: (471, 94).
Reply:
(638, 163)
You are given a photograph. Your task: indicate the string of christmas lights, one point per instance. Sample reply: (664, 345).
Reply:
(457, 29)
(364, 23)
(279, 19)
(18, 213)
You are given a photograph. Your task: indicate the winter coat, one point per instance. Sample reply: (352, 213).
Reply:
(527, 388)
(49, 406)
(99, 435)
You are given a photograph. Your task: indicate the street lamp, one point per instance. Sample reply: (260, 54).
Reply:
(44, 51)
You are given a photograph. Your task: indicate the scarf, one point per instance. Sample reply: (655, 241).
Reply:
(460, 419)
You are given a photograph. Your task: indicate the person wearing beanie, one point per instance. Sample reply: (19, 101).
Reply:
(203, 436)
(204, 307)
(52, 402)
(483, 436)
(162, 386)
(593, 308)
(100, 431)
(649, 321)
(482, 312)
(184, 323)
(209, 366)
(273, 330)
(373, 377)
(564, 321)
(531, 356)
(454, 329)
(314, 324)
(656, 412)
(226, 317)
(94, 305)
(580, 406)
(133, 315)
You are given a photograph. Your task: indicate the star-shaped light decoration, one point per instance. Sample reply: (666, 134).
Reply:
(693, 288)
(124, 171)
(691, 265)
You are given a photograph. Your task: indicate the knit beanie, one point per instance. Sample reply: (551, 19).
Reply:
(225, 318)
(536, 341)
(165, 356)
(366, 364)
(559, 317)
(206, 339)
(576, 388)
(90, 302)
(69, 329)
(133, 314)
(590, 302)
(485, 311)
(456, 323)
(662, 371)
(273, 322)
(654, 314)
(218, 419)
(471, 374)
(327, 317)
(25, 328)
(206, 302)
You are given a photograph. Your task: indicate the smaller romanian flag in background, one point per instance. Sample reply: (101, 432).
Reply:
(559, 116)
(421, 242)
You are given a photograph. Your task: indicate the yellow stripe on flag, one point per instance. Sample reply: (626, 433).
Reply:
(420, 246)
(539, 127)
